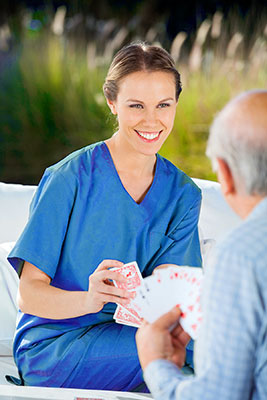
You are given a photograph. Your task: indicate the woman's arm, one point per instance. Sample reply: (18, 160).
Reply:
(37, 297)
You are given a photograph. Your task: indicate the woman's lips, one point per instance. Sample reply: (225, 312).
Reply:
(148, 136)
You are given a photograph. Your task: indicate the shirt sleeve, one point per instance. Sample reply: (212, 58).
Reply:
(225, 351)
(182, 246)
(41, 241)
(162, 378)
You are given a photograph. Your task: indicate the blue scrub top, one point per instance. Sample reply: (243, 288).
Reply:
(81, 214)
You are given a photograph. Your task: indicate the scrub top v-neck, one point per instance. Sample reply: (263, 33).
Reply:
(123, 187)
(81, 214)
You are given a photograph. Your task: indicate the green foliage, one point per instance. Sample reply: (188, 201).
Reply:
(202, 97)
(52, 104)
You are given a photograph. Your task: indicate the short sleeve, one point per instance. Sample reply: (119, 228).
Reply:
(41, 241)
(182, 246)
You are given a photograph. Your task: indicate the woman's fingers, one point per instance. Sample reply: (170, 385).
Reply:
(107, 277)
(107, 298)
(113, 290)
(101, 287)
(105, 264)
(111, 275)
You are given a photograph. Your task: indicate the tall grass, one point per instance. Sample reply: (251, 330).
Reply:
(52, 105)
(52, 101)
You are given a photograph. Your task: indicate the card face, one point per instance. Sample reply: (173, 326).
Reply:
(157, 294)
(135, 325)
(123, 316)
(166, 288)
(127, 314)
(132, 273)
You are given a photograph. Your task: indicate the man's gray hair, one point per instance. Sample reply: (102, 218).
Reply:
(240, 140)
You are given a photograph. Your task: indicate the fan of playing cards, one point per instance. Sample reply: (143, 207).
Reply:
(158, 293)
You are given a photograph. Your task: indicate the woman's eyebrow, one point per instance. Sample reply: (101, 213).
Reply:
(160, 101)
(168, 99)
(135, 101)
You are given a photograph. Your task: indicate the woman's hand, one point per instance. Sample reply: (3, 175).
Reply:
(37, 297)
(101, 288)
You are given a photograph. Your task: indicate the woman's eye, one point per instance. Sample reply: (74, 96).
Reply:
(136, 106)
(163, 105)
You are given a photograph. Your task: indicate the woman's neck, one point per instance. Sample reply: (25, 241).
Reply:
(128, 160)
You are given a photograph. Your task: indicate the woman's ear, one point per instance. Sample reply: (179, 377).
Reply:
(225, 177)
(112, 106)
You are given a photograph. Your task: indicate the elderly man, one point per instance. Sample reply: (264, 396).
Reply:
(231, 352)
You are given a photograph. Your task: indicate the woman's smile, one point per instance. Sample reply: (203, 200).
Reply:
(149, 136)
(145, 108)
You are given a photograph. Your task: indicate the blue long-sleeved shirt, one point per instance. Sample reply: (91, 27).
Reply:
(231, 352)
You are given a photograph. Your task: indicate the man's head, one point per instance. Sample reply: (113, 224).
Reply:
(237, 147)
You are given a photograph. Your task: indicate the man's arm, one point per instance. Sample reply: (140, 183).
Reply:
(225, 350)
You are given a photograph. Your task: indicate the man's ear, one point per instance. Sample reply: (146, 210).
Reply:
(225, 177)
(112, 106)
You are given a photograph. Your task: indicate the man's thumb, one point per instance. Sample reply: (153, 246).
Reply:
(169, 319)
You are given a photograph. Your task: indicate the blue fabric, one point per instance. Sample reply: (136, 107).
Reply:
(231, 352)
(80, 215)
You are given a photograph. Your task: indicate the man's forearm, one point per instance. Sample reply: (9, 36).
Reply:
(163, 378)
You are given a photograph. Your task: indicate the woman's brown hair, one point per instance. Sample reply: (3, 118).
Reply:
(135, 57)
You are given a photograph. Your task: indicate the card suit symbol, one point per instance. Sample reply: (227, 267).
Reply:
(191, 308)
(178, 305)
(194, 280)
(194, 326)
(176, 274)
(199, 319)
(183, 315)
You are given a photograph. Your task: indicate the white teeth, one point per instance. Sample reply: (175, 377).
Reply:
(148, 136)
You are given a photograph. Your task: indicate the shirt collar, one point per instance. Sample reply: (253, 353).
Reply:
(259, 209)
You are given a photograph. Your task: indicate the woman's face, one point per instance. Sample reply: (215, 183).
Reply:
(145, 107)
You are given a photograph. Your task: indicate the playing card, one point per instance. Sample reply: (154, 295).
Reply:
(134, 278)
(192, 313)
(141, 303)
(121, 315)
(132, 273)
(168, 287)
(135, 325)
(129, 310)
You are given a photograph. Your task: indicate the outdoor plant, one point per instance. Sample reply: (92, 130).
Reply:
(52, 101)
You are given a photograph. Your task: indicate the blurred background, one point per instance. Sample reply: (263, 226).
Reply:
(54, 56)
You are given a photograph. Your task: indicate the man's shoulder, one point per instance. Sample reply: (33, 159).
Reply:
(247, 241)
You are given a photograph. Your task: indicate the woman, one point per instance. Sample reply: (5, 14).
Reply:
(107, 204)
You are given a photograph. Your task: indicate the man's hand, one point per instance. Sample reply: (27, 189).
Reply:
(155, 341)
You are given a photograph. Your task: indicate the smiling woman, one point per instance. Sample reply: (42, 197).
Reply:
(145, 107)
(110, 201)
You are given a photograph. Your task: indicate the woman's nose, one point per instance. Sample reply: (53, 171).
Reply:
(150, 117)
